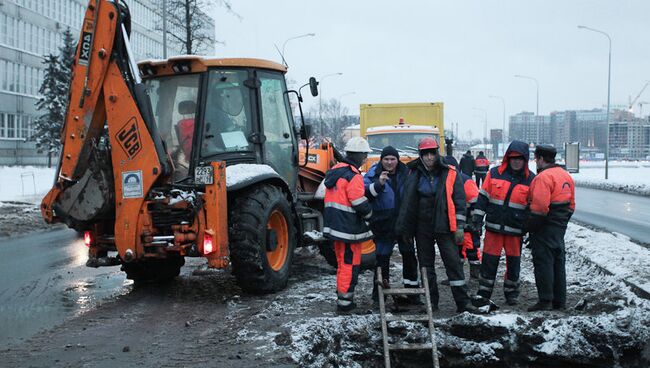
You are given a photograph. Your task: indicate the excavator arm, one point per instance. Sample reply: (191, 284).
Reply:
(108, 107)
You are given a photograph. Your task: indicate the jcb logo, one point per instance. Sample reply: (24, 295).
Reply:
(84, 48)
(129, 138)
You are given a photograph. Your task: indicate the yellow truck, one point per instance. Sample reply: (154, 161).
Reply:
(401, 125)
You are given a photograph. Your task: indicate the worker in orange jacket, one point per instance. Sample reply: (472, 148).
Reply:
(345, 216)
(551, 204)
(471, 249)
(503, 200)
(481, 167)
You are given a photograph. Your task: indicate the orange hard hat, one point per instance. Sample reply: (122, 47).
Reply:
(427, 143)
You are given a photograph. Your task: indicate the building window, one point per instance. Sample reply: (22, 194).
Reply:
(11, 126)
(2, 125)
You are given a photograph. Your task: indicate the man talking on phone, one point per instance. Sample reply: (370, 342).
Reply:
(384, 183)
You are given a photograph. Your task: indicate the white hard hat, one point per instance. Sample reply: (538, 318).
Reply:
(357, 144)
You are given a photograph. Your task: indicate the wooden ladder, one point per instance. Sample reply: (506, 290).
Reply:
(412, 317)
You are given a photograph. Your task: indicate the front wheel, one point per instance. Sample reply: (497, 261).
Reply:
(262, 239)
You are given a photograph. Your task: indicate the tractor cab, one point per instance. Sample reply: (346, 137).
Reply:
(232, 110)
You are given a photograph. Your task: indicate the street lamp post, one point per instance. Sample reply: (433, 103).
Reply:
(164, 12)
(484, 123)
(503, 130)
(295, 37)
(537, 108)
(320, 98)
(609, 80)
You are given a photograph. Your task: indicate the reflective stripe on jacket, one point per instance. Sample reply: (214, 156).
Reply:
(504, 194)
(482, 165)
(551, 198)
(346, 207)
(471, 193)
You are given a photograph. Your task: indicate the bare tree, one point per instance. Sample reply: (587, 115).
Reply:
(335, 119)
(189, 24)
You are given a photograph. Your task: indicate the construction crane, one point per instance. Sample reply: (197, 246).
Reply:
(630, 108)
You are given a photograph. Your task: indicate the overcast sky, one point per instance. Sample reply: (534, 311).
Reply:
(458, 52)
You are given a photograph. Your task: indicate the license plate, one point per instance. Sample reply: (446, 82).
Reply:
(204, 175)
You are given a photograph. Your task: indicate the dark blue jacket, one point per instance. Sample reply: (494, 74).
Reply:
(385, 200)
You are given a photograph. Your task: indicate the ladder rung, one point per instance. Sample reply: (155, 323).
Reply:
(410, 346)
(407, 317)
(403, 291)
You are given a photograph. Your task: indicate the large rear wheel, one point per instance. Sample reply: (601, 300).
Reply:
(367, 254)
(262, 239)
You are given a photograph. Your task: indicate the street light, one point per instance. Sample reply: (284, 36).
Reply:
(346, 94)
(284, 44)
(484, 123)
(320, 98)
(537, 108)
(609, 80)
(503, 130)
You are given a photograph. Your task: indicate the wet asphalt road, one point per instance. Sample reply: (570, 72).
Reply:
(44, 280)
(616, 212)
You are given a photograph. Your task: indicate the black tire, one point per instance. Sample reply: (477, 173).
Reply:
(154, 270)
(326, 249)
(256, 270)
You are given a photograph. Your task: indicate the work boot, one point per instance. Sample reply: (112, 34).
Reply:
(469, 307)
(559, 306)
(542, 305)
(474, 271)
(445, 282)
(346, 308)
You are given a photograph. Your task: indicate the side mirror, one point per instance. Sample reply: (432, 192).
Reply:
(313, 86)
(305, 132)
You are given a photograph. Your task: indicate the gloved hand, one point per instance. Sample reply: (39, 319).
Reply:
(459, 236)
(477, 222)
(469, 227)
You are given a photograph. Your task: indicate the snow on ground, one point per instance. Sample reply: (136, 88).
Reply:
(624, 176)
(25, 183)
(605, 325)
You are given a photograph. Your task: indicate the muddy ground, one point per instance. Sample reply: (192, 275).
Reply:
(21, 217)
(203, 319)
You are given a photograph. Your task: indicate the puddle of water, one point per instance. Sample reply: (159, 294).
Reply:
(23, 317)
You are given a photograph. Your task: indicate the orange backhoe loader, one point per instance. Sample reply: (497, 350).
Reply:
(187, 156)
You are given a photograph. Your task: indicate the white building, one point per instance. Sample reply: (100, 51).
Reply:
(30, 29)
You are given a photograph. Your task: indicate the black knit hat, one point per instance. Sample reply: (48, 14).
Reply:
(389, 151)
(546, 151)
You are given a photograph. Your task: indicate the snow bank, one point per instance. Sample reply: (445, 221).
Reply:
(25, 183)
(626, 177)
(624, 259)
